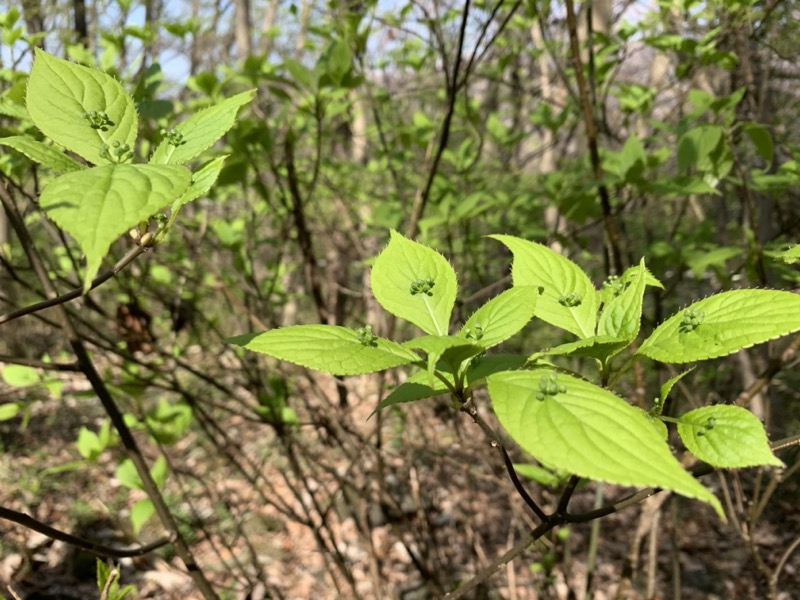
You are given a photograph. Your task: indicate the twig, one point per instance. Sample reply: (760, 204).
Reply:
(28, 521)
(303, 233)
(766, 376)
(129, 257)
(423, 194)
(470, 409)
(556, 519)
(38, 364)
(591, 138)
(109, 404)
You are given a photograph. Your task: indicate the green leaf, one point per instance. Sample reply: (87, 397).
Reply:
(622, 315)
(453, 351)
(159, 471)
(127, 475)
(42, 153)
(20, 375)
(632, 159)
(790, 256)
(98, 205)
(723, 324)
(9, 411)
(14, 111)
(89, 445)
(568, 298)
(141, 511)
(696, 144)
(501, 317)
(329, 348)
(483, 366)
(669, 384)
(539, 475)
(169, 421)
(199, 132)
(762, 140)
(415, 283)
(409, 392)
(588, 431)
(701, 259)
(60, 96)
(726, 437)
(203, 179)
(300, 73)
(599, 347)
(103, 572)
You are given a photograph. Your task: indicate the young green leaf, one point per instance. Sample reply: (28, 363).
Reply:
(451, 350)
(568, 299)
(722, 324)
(9, 411)
(82, 109)
(98, 205)
(726, 437)
(669, 384)
(329, 348)
(202, 179)
(790, 256)
(622, 315)
(483, 366)
(415, 283)
(141, 511)
(539, 475)
(409, 391)
(20, 375)
(599, 347)
(501, 317)
(89, 445)
(573, 425)
(761, 139)
(199, 132)
(42, 153)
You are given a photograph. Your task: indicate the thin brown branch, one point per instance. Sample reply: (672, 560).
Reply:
(303, 233)
(470, 409)
(129, 257)
(38, 364)
(612, 231)
(28, 521)
(106, 399)
(557, 519)
(423, 194)
(773, 368)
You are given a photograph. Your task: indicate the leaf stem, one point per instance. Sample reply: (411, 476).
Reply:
(472, 410)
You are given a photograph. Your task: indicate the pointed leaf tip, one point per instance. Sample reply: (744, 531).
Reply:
(722, 324)
(415, 283)
(329, 348)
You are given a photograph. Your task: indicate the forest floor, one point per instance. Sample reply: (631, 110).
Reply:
(667, 547)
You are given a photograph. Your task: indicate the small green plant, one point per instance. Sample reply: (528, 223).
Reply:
(569, 424)
(91, 115)
(108, 583)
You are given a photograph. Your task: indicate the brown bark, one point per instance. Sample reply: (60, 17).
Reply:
(242, 28)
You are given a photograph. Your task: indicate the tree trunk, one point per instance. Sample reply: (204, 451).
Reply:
(270, 18)
(81, 31)
(242, 29)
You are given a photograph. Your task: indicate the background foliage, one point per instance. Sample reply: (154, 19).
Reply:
(609, 131)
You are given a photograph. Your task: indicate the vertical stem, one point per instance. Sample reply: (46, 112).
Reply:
(612, 232)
